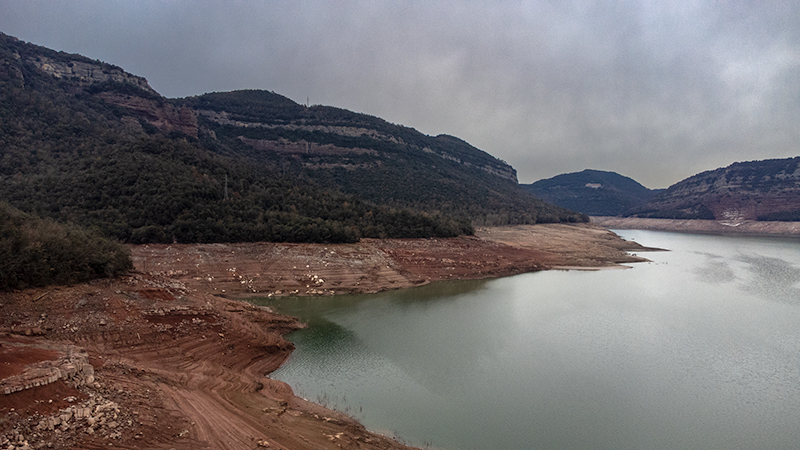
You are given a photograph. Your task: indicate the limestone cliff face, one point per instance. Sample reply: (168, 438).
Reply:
(497, 168)
(86, 73)
(491, 166)
(742, 191)
(163, 115)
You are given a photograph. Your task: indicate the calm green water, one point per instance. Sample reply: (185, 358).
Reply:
(699, 349)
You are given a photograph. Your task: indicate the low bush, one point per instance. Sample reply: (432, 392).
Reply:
(39, 252)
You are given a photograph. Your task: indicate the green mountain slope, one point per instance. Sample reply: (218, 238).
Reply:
(83, 141)
(753, 190)
(368, 157)
(592, 192)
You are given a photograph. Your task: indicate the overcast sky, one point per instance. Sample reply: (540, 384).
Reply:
(655, 90)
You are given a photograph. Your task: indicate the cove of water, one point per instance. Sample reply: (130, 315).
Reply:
(698, 349)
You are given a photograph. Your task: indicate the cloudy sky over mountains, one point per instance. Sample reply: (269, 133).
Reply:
(654, 90)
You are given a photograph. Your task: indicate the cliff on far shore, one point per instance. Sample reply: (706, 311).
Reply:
(731, 227)
(754, 190)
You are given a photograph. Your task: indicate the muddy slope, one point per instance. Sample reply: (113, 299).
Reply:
(168, 368)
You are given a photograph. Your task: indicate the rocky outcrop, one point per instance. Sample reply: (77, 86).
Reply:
(225, 118)
(72, 366)
(95, 413)
(93, 75)
(161, 114)
(507, 172)
(498, 168)
(95, 416)
(303, 147)
(86, 73)
(754, 190)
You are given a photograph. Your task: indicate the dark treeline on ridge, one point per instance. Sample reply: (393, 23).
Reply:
(593, 192)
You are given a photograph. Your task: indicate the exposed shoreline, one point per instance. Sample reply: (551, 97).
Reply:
(722, 227)
(375, 265)
(170, 362)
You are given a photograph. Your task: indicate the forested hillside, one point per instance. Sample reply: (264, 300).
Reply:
(369, 157)
(752, 190)
(86, 142)
(592, 192)
(70, 154)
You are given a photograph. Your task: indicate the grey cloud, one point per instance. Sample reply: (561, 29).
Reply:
(655, 90)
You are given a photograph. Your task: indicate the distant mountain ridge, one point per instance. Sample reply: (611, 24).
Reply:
(87, 142)
(271, 111)
(592, 192)
(368, 156)
(751, 190)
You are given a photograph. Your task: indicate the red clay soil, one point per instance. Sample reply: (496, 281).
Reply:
(182, 370)
(44, 400)
(14, 359)
(177, 366)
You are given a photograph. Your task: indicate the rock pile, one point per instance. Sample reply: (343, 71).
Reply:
(96, 415)
(73, 367)
(93, 414)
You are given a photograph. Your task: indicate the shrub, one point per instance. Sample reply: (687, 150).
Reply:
(38, 252)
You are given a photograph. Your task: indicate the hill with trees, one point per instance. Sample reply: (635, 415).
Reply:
(38, 252)
(592, 192)
(368, 157)
(752, 190)
(85, 142)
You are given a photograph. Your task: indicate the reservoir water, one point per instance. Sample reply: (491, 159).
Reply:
(698, 349)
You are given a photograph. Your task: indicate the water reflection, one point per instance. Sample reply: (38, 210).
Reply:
(426, 295)
(772, 278)
(715, 272)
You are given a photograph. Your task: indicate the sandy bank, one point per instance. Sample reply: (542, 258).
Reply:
(160, 359)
